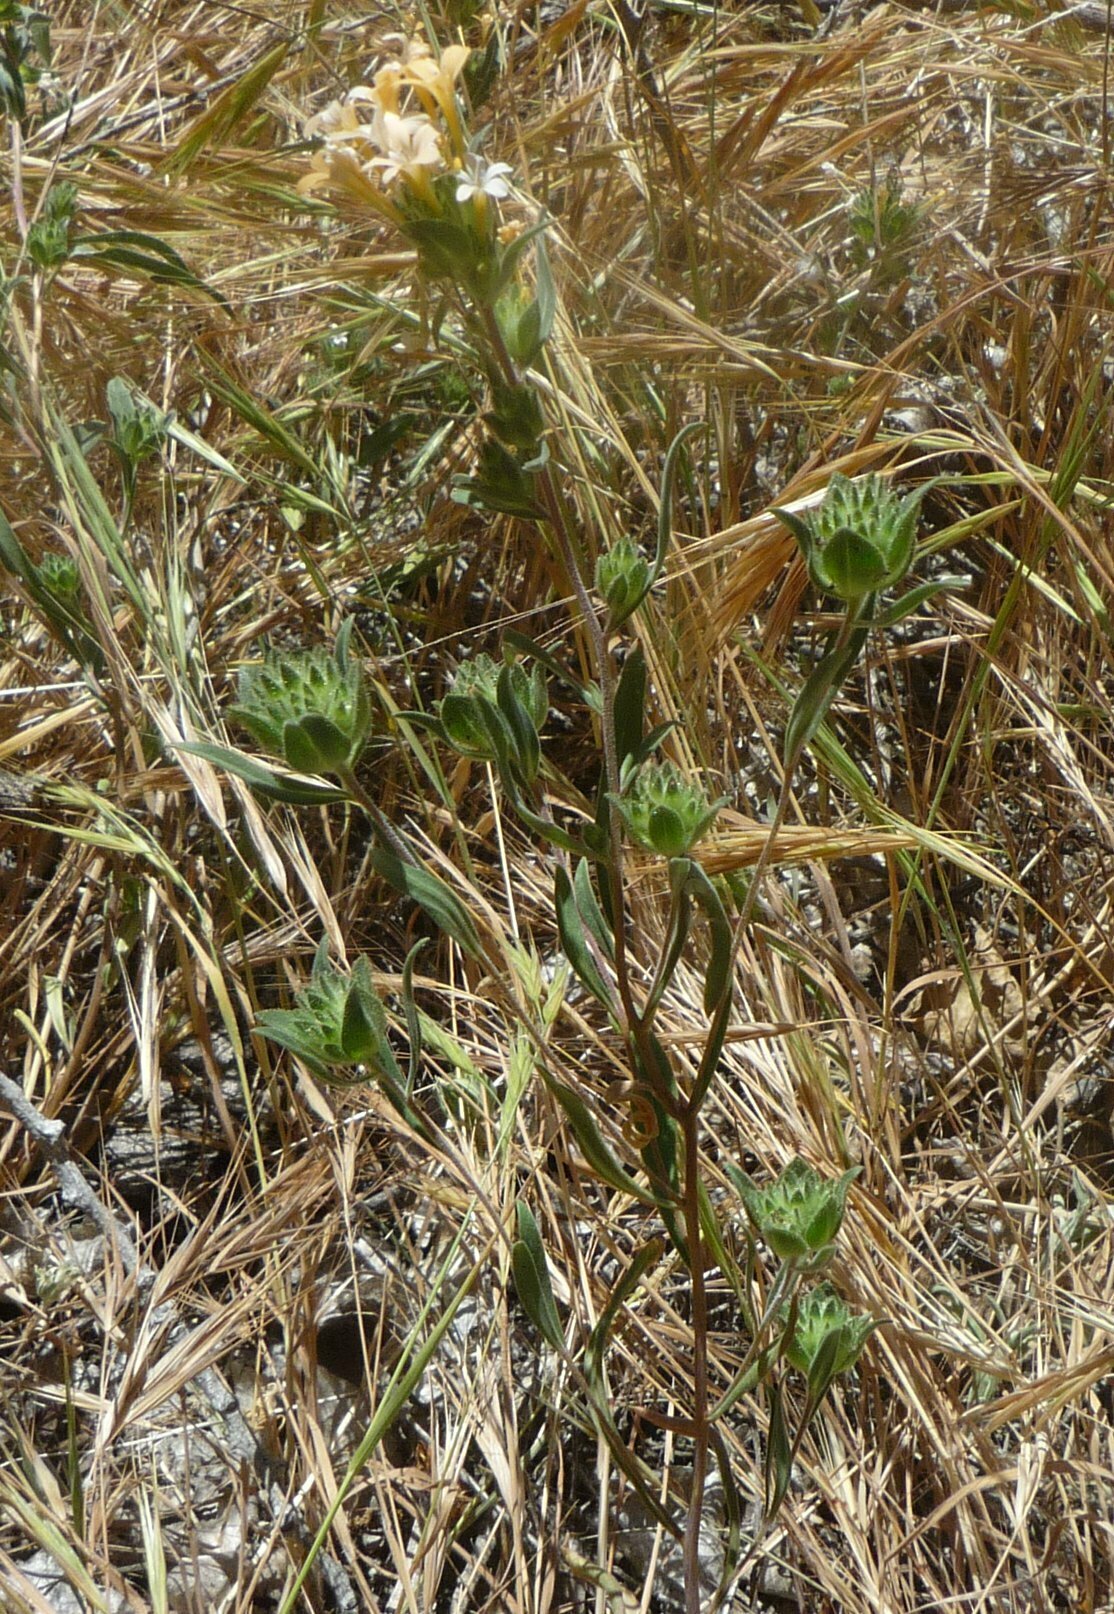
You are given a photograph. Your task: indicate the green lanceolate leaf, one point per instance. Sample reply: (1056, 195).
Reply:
(531, 1279)
(432, 895)
(521, 727)
(717, 978)
(545, 827)
(410, 1008)
(779, 1453)
(576, 949)
(918, 596)
(526, 646)
(590, 911)
(592, 1145)
(665, 507)
(819, 690)
(594, 1355)
(271, 782)
(639, 1476)
(545, 299)
(680, 913)
(630, 705)
(139, 254)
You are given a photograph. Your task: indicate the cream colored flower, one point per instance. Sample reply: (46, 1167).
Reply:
(411, 49)
(407, 146)
(435, 85)
(388, 84)
(479, 179)
(339, 171)
(340, 118)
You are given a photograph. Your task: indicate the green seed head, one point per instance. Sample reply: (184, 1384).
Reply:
(828, 1337)
(58, 574)
(307, 706)
(800, 1214)
(622, 579)
(860, 539)
(664, 811)
(337, 1023)
(474, 717)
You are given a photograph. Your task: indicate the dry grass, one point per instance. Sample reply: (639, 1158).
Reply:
(928, 987)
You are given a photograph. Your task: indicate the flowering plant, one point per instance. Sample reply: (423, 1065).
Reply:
(307, 706)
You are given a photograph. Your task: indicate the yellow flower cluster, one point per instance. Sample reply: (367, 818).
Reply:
(384, 133)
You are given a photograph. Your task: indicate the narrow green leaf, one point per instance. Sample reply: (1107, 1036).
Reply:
(513, 254)
(545, 293)
(432, 895)
(822, 1368)
(531, 1278)
(630, 703)
(680, 913)
(665, 506)
(288, 787)
(576, 949)
(137, 253)
(642, 753)
(281, 1026)
(13, 554)
(717, 980)
(410, 1009)
(625, 1459)
(592, 1145)
(590, 911)
(545, 827)
(526, 646)
(779, 1453)
(797, 527)
(819, 690)
(524, 736)
(732, 1514)
(647, 1256)
(915, 597)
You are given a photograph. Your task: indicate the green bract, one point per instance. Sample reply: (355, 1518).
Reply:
(494, 712)
(827, 1339)
(58, 574)
(337, 1022)
(664, 811)
(800, 1214)
(859, 539)
(307, 706)
(623, 579)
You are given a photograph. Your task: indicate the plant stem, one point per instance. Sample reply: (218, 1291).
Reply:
(701, 1424)
(380, 822)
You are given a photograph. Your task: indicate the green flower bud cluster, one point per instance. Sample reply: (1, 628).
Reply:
(59, 576)
(827, 1338)
(623, 579)
(50, 236)
(138, 428)
(495, 713)
(502, 482)
(337, 1022)
(859, 539)
(800, 1214)
(307, 706)
(664, 811)
(520, 317)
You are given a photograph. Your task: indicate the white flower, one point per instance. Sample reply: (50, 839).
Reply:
(481, 178)
(406, 144)
(339, 123)
(410, 50)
